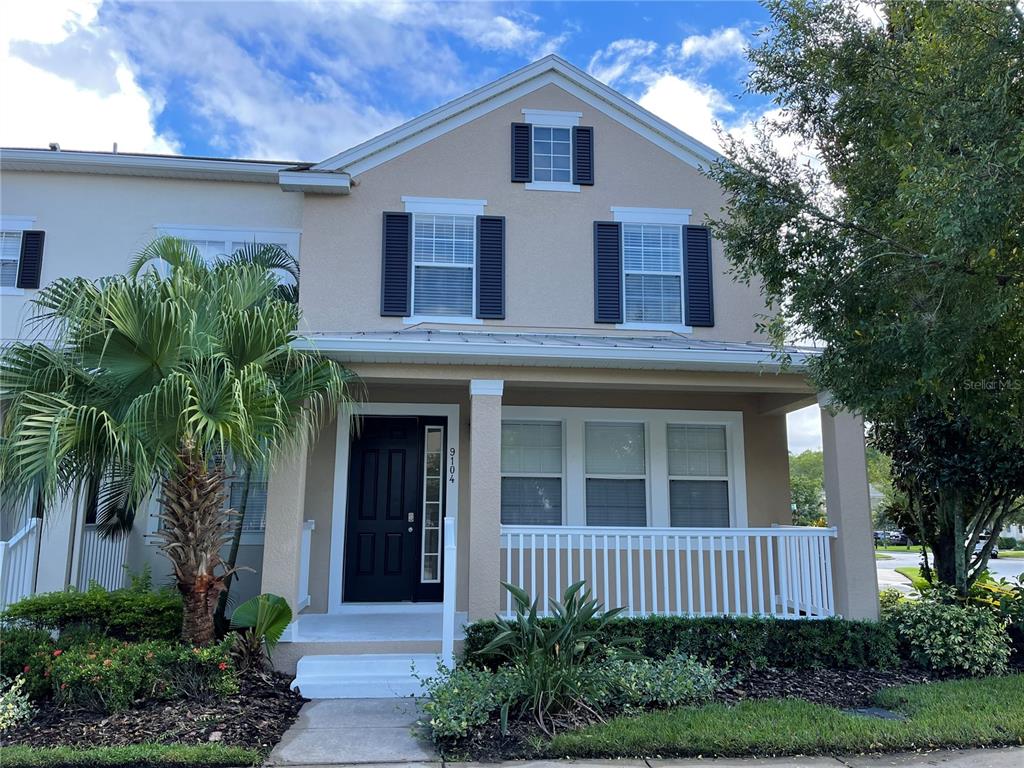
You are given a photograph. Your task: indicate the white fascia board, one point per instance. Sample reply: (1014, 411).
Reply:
(552, 118)
(557, 356)
(136, 165)
(443, 205)
(678, 216)
(549, 70)
(315, 182)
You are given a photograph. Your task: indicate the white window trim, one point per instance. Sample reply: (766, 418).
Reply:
(15, 224)
(656, 435)
(646, 476)
(424, 554)
(678, 217)
(698, 478)
(442, 206)
(560, 475)
(552, 186)
(290, 238)
(552, 118)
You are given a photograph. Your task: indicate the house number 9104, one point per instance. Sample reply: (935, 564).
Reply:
(451, 465)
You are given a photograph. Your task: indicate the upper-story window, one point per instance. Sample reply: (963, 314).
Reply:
(443, 256)
(552, 154)
(10, 256)
(652, 264)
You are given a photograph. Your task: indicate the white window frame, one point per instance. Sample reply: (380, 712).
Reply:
(439, 553)
(15, 224)
(678, 217)
(550, 118)
(656, 438)
(700, 478)
(442, 206)
(646, 476)
(560, 475)
(289, 238)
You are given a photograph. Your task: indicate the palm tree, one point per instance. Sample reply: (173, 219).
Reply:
(148, 381)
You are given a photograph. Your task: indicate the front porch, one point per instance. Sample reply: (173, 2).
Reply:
(666, 495)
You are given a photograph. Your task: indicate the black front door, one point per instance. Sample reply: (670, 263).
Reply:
(384, 530)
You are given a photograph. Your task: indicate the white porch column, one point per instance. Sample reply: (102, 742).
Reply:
(849, 511)
(484, 497)
(282, 539)
(60, 531)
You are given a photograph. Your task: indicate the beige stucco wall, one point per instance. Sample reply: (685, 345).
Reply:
(766, 456)
(94, 224)
(549, 240)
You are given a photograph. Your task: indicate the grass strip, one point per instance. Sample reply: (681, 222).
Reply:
(134, 756)
(913, 572)
(959, 713)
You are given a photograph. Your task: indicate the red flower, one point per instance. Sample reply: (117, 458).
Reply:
(46, 673)
(26, 669)
(58, 652)
(63, 686)
(222, 666)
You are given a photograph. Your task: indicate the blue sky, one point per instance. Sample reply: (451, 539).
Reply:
(305, 80)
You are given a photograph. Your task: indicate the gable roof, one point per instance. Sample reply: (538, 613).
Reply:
(549, 70)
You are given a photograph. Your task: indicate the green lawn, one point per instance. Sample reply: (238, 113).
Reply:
(898, 548)
(1010, 553)
(913, 573)
(880, 556)
(138, 756)
(960, 713)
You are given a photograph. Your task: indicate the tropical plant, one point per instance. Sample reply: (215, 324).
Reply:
(15, 707)
(553, 656)
(147, 381)
(261, 622)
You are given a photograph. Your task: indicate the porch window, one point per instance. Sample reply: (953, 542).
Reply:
(433, 471)
(616, 474)
(531, 473)
(698, 469)
(652, 258)
(10, 256)
(443, 257)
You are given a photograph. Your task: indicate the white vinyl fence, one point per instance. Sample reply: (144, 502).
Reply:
(102, 560)
(783, 571)
(18, 563)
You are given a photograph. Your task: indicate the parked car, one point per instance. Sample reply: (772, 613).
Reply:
(899, 537)
(994, 554)
(881, 537)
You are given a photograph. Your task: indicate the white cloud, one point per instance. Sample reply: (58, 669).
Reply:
(722, 44)
(804, 429)
(82, 95)
(689, 105)
(622, 58)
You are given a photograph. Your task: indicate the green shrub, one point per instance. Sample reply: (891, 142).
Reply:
(15, 706)
(947, 637)
(111, 676)
(135, 613)
(1007, 542)
(17, 646)
(737, 642)
(465, 698)
(644, 683)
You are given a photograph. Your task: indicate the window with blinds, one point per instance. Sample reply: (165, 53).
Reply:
(531, 473)
(698, 469)
(10, 255)
(443, 260)
(256, 506)
(652, 261)
(615, 466)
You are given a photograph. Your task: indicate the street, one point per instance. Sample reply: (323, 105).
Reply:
(1004, 567)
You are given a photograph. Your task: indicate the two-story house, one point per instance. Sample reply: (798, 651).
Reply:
(563, 381)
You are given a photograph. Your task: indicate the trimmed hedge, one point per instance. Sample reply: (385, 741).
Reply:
(739, 642)
(135, 613)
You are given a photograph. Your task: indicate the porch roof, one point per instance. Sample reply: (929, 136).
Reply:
(538, 348)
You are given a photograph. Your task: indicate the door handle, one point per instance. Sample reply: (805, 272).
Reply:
(410, 529)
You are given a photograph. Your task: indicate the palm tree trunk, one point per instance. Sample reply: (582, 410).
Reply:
(236, 541)
(198, 607)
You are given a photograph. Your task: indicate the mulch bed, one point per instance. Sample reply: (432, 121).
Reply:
(839, 688)
(256, 717)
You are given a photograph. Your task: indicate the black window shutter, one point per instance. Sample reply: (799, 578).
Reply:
(396, 265)
(607, 272)
(490, 267)
(522, 167)
(30, 265)
(583, 155)
(700, 301)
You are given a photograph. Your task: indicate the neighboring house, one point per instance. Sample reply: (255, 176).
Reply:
(563, 381)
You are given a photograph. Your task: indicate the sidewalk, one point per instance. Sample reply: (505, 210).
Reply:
(377, 733)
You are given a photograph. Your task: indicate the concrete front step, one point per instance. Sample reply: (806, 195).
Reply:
(363, 676)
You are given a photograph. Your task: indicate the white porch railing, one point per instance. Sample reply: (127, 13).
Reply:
(448, 594)
(784, 572)
(101, 560)
(307, 543)
(18, 564)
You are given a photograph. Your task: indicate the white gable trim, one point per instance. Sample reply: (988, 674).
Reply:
(552, 118)
(547, 71)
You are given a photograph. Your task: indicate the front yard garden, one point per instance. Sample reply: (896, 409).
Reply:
(935, 672)
(101, 678)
